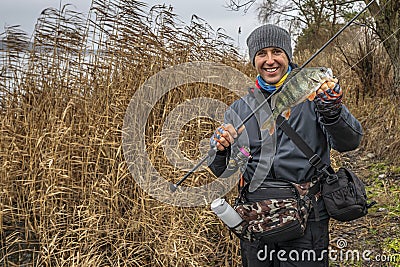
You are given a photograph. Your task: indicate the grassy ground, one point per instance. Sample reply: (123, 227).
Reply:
(379, 231)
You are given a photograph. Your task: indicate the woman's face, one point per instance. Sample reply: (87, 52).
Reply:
(271, 63)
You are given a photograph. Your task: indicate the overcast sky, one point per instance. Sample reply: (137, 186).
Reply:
(26, 12)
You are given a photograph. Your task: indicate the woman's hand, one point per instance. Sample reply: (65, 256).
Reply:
(224, 136)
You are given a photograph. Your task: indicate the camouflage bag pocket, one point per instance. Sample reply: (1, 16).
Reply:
(281, 216)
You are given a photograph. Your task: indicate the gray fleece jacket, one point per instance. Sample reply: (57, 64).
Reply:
(277, 157)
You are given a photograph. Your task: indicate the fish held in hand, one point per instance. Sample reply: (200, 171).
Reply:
(302, 86)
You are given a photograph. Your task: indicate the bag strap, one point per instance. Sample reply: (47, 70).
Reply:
(313, 158)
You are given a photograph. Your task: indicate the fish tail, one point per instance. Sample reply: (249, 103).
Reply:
(269, 125)
(271, 129)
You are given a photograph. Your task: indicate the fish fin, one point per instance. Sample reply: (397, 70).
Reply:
(272, 129)
(324, 86)
(312, 96)
(286, 114)
(331, 85)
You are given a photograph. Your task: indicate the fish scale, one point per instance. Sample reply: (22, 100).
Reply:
(296, 90)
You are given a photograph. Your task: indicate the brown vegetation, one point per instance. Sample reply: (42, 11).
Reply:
(67, 197)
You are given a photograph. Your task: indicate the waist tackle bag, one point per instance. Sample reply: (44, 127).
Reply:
(278, 212)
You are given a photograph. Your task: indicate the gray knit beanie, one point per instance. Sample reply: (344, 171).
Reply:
(269, 36)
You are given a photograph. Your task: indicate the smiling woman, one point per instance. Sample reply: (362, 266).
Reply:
(271, 63)
(270, 52)
(67, 194)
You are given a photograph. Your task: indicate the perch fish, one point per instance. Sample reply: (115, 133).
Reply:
(297, 89)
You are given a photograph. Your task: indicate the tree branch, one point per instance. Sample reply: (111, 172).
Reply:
(236, 5)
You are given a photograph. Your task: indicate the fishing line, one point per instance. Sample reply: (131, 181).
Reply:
(374, 16)
(173, 187)
(357, 36)
(355, 64)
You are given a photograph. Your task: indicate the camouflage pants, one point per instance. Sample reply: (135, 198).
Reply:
(307, 251)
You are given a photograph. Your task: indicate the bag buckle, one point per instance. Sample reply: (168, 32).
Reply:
(332, 178)
(315, 160)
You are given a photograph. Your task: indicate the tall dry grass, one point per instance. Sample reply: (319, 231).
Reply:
(67, 197)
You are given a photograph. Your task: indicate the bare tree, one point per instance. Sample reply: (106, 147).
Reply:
(305, 17)
(387, 27)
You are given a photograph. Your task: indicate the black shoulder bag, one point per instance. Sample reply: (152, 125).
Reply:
(343, 192)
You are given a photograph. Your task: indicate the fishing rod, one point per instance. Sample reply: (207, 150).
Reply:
(211, 153)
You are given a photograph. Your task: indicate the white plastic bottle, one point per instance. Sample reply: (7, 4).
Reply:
(226, 213)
